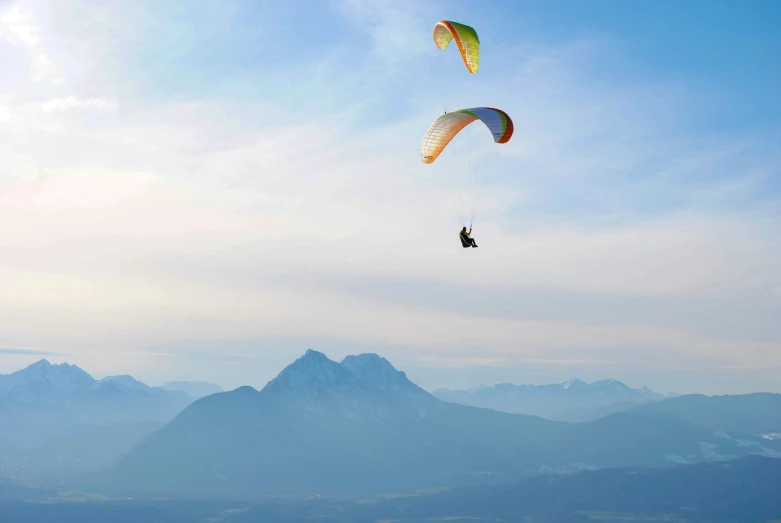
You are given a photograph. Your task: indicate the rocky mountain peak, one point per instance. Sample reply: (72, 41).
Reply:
(374, 371)
(312, 372)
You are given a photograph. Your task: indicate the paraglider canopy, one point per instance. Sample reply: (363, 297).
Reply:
(466, 39)
(447, 126)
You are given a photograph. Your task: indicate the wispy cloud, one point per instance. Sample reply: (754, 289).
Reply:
(445, 361)
(396, 30)
(29, 352)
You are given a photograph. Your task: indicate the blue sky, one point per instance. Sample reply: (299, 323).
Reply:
(206, 191)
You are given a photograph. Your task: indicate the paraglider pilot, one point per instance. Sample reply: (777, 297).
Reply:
(466, 241)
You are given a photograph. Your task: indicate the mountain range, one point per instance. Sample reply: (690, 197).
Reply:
(360, 426)
(57, 420)
(43, 383)
(757, 413)
(573, 400)
(355, 426)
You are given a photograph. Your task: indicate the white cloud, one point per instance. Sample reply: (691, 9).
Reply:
(44, 70)
(71, 102)
(19, 27)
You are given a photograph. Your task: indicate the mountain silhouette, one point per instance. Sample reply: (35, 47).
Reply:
(573, 400)
(758, 413)
(43, 382)
(57, 420)
(360, 426)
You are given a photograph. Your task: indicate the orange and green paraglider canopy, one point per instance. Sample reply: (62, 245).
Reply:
(466, 39)
(447, 126)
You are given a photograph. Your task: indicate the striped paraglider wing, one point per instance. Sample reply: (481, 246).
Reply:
(466, 39)
(447, 126)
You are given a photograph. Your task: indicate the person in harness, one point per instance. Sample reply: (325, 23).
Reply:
(466, 240)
